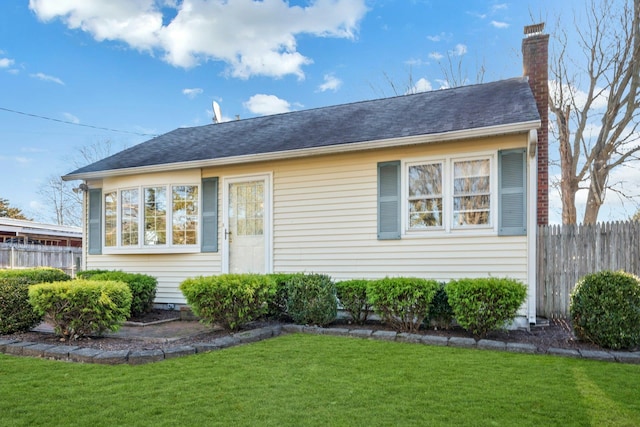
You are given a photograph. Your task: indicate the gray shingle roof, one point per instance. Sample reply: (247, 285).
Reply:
(490, 104)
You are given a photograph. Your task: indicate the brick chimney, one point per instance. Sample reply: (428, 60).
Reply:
(535, 62)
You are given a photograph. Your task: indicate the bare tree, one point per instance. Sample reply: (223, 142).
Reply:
(595, 99)
(61, 197)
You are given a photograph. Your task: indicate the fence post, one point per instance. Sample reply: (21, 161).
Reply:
(11, 258)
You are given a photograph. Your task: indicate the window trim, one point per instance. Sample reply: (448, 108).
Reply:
(448, 228)
(168, 247)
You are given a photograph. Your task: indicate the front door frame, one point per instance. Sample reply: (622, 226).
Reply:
(268, 224)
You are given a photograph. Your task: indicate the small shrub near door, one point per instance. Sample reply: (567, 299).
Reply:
(229, 300)
(277, 307)
(605, 309)
(352, 294)
(16, 314)
(485, 304)
(311, 299)
(402, 302)
(80, 308)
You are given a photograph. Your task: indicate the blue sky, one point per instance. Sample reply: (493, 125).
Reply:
(144, 67)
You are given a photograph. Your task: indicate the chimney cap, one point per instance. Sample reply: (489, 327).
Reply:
(533, 30)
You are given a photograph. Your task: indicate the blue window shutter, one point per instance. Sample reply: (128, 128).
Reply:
(512, 192)
(94, 230)
(389, 200)
(210, 215)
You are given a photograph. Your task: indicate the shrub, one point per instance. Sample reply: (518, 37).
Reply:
(229, 300)
(142, 286)
(311, 299)
(440, 311)
(485, 304)
(353, 297)
(277, 306)
(402, 302)
(605, 309)
(87, 274)
(80, 308)
(16, 314)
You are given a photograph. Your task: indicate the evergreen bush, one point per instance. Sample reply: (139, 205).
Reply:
(352, 294)
(605, 309)
(311, 299)
(485, 304)
(440, 311)
(81, 308)
(16, 314)
(143, 288)
(402, 302)
(229, 300)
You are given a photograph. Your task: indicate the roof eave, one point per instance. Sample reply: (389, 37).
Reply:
(482, 132)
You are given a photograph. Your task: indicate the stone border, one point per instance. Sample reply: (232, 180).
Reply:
(139, 357)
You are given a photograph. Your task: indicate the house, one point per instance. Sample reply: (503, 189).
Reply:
(31, 232)
(444, 184)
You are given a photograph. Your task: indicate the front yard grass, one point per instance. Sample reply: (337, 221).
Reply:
(309, 380)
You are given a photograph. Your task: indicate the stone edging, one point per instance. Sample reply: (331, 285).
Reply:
(139, 357)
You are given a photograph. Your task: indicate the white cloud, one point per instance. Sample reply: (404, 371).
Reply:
(331, 82)
(436, 56)
(498, 24)
(580, 97)
(422, 85)
(192, 92)
(47, 78)
(459, 50)
(439, 37)
(6, 62)
(71, 118)
(253, 38)
(500, 6)
(267, 104)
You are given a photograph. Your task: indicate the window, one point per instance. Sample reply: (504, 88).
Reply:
(449, 194)
(141, 217)
(110, 219)
(471, 192)
(155, 216)
(425, 196)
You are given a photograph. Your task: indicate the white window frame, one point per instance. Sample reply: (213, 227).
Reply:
(168, 247)
(448, 228)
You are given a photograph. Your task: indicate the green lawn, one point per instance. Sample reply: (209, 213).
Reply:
(298, 380)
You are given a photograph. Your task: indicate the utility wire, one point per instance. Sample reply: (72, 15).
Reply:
(76, 124)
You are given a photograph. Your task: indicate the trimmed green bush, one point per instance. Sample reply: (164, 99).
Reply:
(143, 288)
(80, 308)
(402, 302)
(16, 314)
(485, 304)
(277, 306)
(605, 309)
(353, 297)
(440, 311)
(229, 300)
(311, 299)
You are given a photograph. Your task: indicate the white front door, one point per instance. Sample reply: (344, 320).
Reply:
(246, 225)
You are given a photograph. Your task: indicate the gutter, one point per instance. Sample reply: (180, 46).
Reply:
(318, 151)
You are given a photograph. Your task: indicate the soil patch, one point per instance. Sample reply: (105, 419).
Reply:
(557, 333)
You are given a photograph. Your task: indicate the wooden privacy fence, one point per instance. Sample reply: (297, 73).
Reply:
(568, 252)
(14, 256)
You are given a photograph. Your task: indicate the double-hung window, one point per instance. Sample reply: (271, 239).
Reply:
(449, 194)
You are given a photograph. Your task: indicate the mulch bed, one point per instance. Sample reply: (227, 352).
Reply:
(558, 334)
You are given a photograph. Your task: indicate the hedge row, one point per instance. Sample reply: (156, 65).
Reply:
(233, 300)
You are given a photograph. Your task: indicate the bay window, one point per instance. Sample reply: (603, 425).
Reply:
(154, 216)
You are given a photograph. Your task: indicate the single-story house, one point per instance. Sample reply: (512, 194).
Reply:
(21, 231)
(442, 185)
